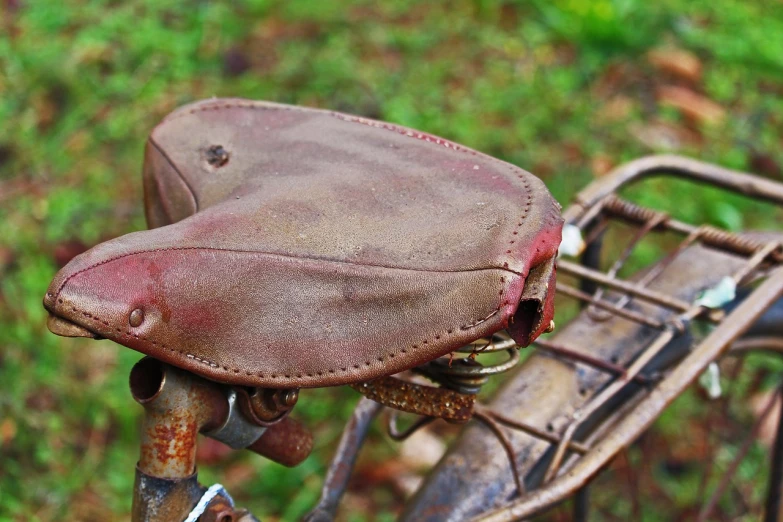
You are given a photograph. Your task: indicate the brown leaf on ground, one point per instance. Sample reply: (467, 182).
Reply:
(692, 446)
(407, 484)
(616, 78)
(616, 109)
(43, 399)
(235, 62)
(372, 474)
(7, 257)
(664, 136)
(89, 506)
(94, 364)
(237, 474)
(6, 150)
(67, 250)
(764, 164)
(601, 164)
(676, 62)
(362, 507)
(7, 431)
(691, 104)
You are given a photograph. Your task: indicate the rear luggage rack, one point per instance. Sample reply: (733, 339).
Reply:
(602, 379)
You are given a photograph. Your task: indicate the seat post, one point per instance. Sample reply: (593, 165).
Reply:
(177, 405)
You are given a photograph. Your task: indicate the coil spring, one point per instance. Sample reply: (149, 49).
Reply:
(466, 374)
(708, 235)
(631, 211)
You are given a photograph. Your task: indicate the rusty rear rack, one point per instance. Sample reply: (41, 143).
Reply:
(592, 388)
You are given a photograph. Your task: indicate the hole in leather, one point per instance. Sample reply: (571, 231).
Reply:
(217, 156)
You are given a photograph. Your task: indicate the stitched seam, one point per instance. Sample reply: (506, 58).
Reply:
(174, 167)
(270, 254)
(344, 117)
(261, 375)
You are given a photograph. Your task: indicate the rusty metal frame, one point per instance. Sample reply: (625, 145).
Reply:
(635, 392)
(601, 196)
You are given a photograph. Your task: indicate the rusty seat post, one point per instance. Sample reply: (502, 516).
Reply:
(179, 405)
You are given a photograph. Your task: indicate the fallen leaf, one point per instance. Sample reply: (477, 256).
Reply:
(42, 399)
(237, 474)
(600, 164)
(616, 78)
(67, 250)
(676, 62)
(6, 152)
(88, 506)
(7, 430)
(7, 258)
(764, 164)
(94, 364)
(407, 484)
(617, 108)
(663, 136)
(691, 104)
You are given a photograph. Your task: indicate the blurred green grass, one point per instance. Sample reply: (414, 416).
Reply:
(565, 89)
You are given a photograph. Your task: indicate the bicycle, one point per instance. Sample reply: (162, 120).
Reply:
(416, 268)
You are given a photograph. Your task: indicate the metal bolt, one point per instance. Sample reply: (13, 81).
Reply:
(289, 397)
(136, 317)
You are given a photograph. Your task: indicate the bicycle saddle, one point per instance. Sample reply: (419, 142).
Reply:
(295, 247)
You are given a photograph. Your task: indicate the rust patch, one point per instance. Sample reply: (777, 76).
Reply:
(288, 443)
(414, 398)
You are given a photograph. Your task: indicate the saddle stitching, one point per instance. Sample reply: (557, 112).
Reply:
(261, 375)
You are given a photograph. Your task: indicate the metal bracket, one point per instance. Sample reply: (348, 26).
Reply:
(236, 432)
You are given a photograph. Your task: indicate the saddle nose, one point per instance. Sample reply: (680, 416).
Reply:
(65, 328)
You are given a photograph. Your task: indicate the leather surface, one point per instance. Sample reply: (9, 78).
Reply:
(328, 249)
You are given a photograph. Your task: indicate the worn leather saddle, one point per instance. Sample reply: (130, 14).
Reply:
(294, 247)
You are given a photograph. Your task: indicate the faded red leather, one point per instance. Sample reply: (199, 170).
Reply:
(328, 249)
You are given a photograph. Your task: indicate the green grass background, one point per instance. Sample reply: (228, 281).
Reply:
(563, 88)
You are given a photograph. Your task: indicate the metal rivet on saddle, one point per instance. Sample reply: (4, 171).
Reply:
(136, 317)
